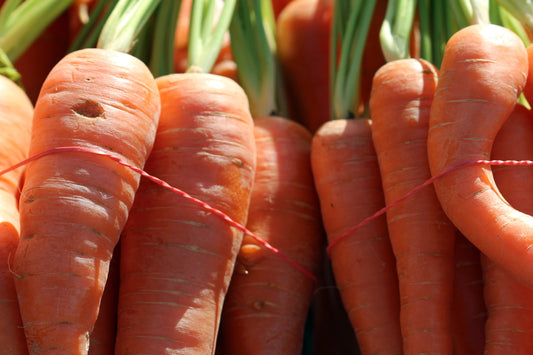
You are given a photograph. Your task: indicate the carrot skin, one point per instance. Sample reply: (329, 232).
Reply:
(16, 118)
(509, 326)
(269, 298)
(74, 205)
(420, 232)
(348, 183)
(483, 72)
(177, 258)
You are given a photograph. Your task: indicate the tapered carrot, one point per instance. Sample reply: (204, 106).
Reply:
(269, 299)
(509, 324)
(348, 183)
(16, 117)
(73, 206)
(176, 257)
(484, 70)
(303, 39)
(468, 305)
(420, 232)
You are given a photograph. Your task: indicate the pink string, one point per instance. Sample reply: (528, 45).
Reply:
(416, 189)
(242, 228)
(173, 189)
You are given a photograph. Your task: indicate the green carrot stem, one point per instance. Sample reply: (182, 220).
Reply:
(204, 40)
(395, 31)
(124, 24)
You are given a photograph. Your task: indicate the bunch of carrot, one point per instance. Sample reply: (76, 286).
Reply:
(266, 177)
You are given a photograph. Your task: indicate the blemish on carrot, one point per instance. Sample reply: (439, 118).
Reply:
(88, 108)
(258, 305)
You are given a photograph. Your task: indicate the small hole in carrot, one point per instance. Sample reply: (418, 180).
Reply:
(89, 108)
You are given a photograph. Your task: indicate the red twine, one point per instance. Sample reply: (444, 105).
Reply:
(242, 228)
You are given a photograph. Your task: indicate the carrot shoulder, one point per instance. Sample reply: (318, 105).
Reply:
(421, 235)
(348, 183)
(483, 72)
(73, 205)
(15, 118)
(177, 257)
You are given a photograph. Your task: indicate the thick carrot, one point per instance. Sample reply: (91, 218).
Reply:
(15, 118)
(420, 232)
(509, 326)
(303, 40)
(483, 72)
(468, 305)
(73, 205)
(269, 299)
(176, 257)
(348, 183)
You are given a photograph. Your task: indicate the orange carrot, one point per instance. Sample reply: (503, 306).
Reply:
(509, 326)
(484, 70)
(73, 205)
(176, 257)
(303, 40)
(348, 183)
(468, 305)
(421, 235)
(269, 299)
(16, 118)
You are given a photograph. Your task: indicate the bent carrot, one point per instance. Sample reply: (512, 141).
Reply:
(348, 183)
(483, 72)
(74, 205)
(421, 235)
(269, 299)
(509, 324)
(15, 119)
(176, 258)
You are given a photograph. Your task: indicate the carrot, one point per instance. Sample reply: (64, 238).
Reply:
(420, 233)
(303, 39)
(16, 118)
(509, 324)
(528, 88)
(73, 205)
(483, 72)
(269, 299)
(468, 305)
(176, 258)
(348, 183)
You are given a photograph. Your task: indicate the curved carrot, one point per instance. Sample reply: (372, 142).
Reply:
(421, 235)
(509, 326)
(177, 258)
(15, 119)
(303, 40)
(73, 206)
(348, 183)
(468, 305)
(268, 300)
(483, 71)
